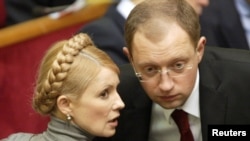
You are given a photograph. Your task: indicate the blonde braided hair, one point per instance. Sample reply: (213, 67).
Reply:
(62, 69)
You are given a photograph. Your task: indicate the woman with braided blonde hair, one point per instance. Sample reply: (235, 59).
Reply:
(76, 87)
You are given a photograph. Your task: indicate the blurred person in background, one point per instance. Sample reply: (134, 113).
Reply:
(226, 23)
(108, 31)
(198, 5)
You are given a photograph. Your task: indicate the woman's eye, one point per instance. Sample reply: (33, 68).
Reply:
(104, 94)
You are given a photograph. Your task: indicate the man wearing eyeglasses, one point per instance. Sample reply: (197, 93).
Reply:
(170, 69)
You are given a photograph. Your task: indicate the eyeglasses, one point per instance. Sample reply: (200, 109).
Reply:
(153, 73)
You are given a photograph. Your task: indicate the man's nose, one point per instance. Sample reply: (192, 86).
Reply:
(166, 82)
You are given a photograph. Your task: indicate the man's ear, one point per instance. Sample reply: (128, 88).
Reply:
(63, 104)
(127, 53)
(201, 47)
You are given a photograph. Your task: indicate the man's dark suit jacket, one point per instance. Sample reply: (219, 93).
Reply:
(224, 95)
(108, 34)
(221, 25)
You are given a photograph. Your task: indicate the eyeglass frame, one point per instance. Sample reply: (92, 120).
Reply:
(158, 71)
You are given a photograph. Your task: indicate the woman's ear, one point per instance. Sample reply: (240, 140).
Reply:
(63, 104)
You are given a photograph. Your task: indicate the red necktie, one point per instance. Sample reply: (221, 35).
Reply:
(181, 119)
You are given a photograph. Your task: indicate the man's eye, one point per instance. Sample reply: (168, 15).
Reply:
(179, 66)
(150, 70)
(104, 94)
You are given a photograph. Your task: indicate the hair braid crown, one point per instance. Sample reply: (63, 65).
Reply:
(45, 99)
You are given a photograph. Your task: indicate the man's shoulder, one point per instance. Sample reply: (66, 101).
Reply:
(230, 54)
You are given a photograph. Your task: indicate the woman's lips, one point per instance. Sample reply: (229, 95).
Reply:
(113, 123)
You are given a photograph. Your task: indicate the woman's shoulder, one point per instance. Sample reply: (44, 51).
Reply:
(18, 137)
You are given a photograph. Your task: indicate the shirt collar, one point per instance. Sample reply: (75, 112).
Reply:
(124, 7)
(191, 106)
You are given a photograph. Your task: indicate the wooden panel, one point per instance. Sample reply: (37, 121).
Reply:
(44, 25)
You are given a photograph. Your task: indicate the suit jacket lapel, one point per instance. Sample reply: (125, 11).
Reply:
(212, 110)
(213, 101)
